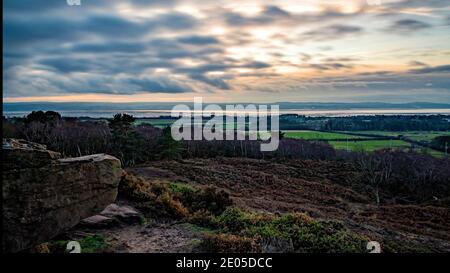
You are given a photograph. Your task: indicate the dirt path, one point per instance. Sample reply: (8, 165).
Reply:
(163, 238)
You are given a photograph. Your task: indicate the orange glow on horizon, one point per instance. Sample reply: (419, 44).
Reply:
(117, 98)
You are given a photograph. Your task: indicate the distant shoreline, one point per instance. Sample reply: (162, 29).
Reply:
(158, 113)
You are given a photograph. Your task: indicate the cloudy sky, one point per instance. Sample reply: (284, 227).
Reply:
(227, 50)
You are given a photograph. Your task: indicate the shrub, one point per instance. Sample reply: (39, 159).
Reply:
(290, 232)
(173, 200)
(93, 243)
(181, 188)
(309, 235)
(209, 199)
(154, 198)
(226, 243)
(203, 218)
(236, 220)
(89, 244)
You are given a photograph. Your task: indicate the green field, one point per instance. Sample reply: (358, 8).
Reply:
(308, 135)
(340, 140)
(413, 135)
(370, 145)
(160, 123)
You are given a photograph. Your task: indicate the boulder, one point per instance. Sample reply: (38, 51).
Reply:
(98, 221)
(122, 213)
(112, 215)
(44, 194)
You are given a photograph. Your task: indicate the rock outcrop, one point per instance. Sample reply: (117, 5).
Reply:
(112, 215)
(43, 194)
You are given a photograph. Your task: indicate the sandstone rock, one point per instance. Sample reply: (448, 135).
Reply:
(123, 213)
(44, 194)
(25, 154)
(98, 221)
(112, 215)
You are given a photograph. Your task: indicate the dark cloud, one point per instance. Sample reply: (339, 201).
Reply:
(417, 63)
(200, 72)
(386, 82)
(332, 32)
(305, 57)
(268, 15)
(62, 41)
(109, 47)
(434, 69)
(19, 32)
(274, 11)
(221, 66)
(328, 66)
(179, 52)
(33, 6)
(174, 21)
(160, 85)
(408, 4)
(408, 25)
(22, 31)
(340, 59)
(275, 14)
(68, 65)
(213, 81)
(149, 3)
(198, 40)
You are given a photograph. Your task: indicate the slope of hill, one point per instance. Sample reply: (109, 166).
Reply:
(317, 198)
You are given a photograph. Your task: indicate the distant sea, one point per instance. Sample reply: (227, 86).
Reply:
(154, 110)
(316, 113)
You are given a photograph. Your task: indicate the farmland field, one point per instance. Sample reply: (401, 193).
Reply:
(339, 140)
(370, 145)
(308, 135)
(413, 135)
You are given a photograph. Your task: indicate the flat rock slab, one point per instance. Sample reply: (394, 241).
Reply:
(112, 215)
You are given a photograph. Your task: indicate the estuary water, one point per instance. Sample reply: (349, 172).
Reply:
(148, 113)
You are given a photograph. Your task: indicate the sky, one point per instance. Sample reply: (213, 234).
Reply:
(226, 50)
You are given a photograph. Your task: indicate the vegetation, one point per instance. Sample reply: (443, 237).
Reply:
(168, 147)
(398, 176)
(228, 243)
(89, 244)
(297, 232)
(367, 123)
(235, 230)
(316, 135)
(413, 135)
(370, 145)
(173, 200)
(125, 139)
(404, 177)
(441, 143)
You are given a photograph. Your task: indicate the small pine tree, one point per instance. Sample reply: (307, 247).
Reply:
(125, 140)
(168, 147)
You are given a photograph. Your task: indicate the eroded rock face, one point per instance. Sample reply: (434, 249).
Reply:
(44, 194)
